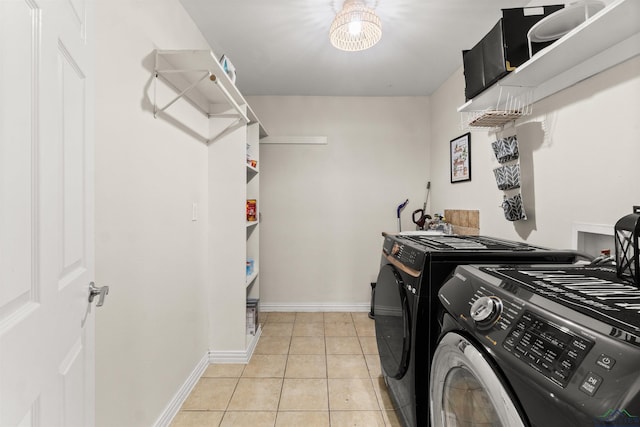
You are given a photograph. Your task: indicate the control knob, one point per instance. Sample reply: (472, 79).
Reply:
(485, 311)
(395, 249)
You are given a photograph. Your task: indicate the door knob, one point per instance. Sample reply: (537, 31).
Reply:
(99, 291)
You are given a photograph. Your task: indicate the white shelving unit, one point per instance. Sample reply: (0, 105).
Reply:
(608, 38)
(197, 77)
(253, 227)
(252, 277)
(253, 192)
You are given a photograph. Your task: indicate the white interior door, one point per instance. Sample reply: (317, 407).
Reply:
(46, 213)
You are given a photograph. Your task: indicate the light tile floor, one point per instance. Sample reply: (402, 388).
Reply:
(308, 370)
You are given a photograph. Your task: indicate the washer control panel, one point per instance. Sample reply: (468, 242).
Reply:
(486, 311)
(554, 351)
(405, 254)
(588, 367)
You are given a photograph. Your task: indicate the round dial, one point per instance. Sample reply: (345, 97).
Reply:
(486, 310)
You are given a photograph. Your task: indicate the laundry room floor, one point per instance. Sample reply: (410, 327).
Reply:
(308, 369)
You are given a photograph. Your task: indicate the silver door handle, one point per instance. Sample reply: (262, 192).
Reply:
(100, 291)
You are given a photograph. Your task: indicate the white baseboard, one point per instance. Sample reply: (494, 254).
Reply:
(358, 307)
(243, 356)
(236, 356)
(181, 395)
(210, 357)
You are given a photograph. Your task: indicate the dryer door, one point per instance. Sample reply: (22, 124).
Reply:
(466, 391)
(393, 322)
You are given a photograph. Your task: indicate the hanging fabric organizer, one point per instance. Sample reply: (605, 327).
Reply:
(508, 177)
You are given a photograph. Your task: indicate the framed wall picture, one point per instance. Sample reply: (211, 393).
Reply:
(460, 150)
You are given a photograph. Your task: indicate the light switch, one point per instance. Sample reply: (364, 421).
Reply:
(194, 212)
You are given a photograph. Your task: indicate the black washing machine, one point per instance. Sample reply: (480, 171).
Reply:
(540, 346)
(413, 267)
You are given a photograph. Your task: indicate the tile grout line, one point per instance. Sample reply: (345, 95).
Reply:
(369, 365)
(282, 384)
(326, 368)
(373, 386)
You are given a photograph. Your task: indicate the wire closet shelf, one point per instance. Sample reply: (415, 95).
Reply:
(512, 104)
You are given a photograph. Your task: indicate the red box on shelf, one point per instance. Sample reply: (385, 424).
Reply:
(251, 210)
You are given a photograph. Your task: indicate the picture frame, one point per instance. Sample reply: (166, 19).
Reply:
(460, 154)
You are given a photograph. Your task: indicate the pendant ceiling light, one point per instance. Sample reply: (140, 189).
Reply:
(356, 27)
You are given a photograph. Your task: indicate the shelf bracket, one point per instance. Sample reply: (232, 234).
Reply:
(232, 126)
(157, 110)
(206, 74)
(230, 99)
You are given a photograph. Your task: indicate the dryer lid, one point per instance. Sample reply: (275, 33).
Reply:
(594, 291)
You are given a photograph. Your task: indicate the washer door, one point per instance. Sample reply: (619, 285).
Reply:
(465, 390)
(393, 322)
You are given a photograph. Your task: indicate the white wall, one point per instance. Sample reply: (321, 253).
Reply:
(227, 241)
(152, 330)
(324, 206)
(579, 158)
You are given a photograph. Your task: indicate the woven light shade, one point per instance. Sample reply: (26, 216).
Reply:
(356, 27)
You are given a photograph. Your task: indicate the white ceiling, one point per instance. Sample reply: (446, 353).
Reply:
(281, 47)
